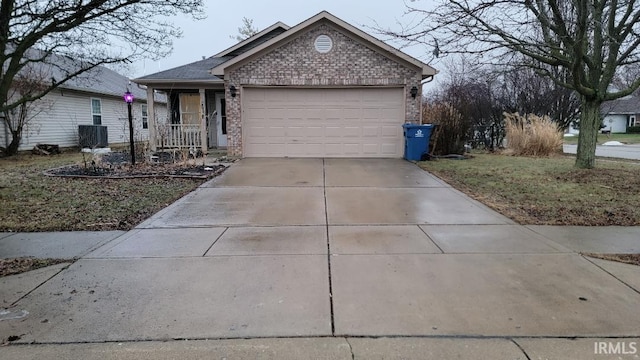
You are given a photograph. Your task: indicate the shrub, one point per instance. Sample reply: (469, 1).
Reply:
(532, 135)
(448, 137)
(633, 129)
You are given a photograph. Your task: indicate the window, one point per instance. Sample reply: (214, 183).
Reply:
(190, 109)
(96, 111)
(223, 116)
(145, 116)
(632, 120)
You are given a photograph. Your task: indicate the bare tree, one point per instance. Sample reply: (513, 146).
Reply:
(523, 90)
(245, 31)
(86, 34)
(18, 120)
(624, 79)
(592, 40)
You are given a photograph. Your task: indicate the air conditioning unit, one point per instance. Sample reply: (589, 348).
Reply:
(91, 136)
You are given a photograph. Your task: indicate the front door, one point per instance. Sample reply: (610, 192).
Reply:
(221, 120)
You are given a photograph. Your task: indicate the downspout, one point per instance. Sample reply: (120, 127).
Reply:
(424, 81)
(427, 80)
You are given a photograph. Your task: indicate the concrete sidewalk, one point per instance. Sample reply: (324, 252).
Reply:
(340, 258)
(339, 348)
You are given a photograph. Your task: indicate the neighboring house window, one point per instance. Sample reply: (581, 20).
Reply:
(145, 117)
(96, 111)
(632, 120)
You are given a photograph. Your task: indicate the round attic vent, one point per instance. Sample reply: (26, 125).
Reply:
(323, 44)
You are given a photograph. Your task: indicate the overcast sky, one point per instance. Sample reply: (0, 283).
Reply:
(211, 35)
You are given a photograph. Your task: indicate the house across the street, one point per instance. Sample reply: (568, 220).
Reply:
(322, 88)
(621, 114)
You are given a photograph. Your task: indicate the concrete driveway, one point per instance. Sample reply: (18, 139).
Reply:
(328, 247)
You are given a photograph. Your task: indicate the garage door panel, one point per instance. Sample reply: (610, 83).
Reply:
(388, 149)
(333, 149)
(351, 132)
(297, 132)
(352, 149)
(268, 132)
(333, 131)
(315, 132)
(389, 131)
(371, 113)
(330, 111)
(371, 149)
(323, 122)
(370, 131)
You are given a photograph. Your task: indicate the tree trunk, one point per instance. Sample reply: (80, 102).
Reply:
(589, 126)
(13, 147)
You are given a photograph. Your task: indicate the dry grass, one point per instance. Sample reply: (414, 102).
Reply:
(548, 191)
(532, 135)
(34, 202)
(15, 266)
(633, 259)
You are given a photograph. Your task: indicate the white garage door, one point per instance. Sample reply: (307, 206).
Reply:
(358, 122)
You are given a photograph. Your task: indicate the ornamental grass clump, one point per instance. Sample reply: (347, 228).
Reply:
(532, 135)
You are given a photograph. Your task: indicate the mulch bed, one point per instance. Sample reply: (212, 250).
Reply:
(117, 165)
(137, 171)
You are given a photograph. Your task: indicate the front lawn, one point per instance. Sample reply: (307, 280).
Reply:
(34, 202)
(548, 191)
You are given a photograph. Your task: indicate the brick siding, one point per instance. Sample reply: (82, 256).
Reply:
(297, 63)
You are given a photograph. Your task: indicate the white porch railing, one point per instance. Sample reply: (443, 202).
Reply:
(178, 136)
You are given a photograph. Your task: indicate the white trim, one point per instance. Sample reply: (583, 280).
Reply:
(96, 113)
(144, 115)
(221, 138)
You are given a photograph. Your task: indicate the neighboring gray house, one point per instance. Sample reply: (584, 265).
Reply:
(94, 98)
(620, 114)
(322, 88)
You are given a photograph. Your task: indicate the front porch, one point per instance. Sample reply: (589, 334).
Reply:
(179, 136)
(195, 121)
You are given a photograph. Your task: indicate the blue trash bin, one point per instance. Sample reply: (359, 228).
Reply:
(416, 140)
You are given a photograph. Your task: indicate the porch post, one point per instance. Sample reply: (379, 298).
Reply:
(203, 121)
(151, 118)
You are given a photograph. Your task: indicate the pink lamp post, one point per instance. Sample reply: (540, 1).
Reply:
(128, 98)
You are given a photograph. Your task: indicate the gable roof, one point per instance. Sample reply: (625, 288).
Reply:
(371, 41)
(255, 40)
(99, 80)
(626, 105)
(193, 72)
(104, 81)
(199, 71)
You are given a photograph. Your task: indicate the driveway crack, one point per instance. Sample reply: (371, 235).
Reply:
(521, 349)
(326, 220)
(353, 356)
